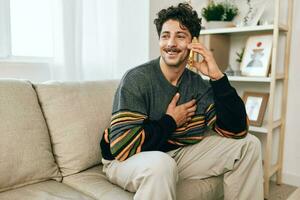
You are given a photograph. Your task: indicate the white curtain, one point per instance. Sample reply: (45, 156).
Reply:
(99, 39)
(85, 40)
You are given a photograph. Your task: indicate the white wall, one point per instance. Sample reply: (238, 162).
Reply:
(291, 167)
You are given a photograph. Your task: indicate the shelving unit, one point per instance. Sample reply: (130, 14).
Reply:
(243, 29)
(277, 81)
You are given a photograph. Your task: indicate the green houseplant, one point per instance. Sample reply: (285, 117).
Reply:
(222, 11)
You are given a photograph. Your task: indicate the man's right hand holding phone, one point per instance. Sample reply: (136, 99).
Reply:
(207, 66)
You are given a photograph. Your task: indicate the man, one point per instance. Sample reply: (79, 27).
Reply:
(162, 117)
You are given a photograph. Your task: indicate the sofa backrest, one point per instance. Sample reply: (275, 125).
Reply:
(25, 150)
(76, 114)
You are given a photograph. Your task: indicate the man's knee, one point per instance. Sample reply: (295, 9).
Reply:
(160, 164)
(253, 145)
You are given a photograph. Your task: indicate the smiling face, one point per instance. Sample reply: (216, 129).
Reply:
(173, 42)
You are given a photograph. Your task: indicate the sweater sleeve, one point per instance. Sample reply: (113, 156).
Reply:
(131, 131)
(226, 114)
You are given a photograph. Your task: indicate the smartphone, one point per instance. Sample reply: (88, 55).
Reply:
(192, 55)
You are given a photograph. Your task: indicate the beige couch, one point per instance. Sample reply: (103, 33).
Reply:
(49, 143)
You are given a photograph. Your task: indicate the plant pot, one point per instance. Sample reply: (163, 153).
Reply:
(219, 24)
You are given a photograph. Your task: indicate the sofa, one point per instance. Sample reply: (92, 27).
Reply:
(49, 143)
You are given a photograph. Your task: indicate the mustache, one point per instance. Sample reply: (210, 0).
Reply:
(172, 49)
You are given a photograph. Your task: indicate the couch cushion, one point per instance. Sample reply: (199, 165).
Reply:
(76, 113)
(45, 190)
(25, 151)
(94, 183)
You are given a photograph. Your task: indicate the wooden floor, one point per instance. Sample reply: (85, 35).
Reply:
(281, 192)
(295, 195)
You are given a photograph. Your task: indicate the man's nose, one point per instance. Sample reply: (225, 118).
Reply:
(171, 42)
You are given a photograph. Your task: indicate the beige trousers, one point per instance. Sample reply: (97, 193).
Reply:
(153, 174)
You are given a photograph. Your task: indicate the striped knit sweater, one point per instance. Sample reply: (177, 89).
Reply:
(139, 122)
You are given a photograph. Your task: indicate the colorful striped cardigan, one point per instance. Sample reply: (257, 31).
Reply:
(139, 122)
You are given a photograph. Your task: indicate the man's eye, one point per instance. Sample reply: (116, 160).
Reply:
(164, 36)
(181, 36)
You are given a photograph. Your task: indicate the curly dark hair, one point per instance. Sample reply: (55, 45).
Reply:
(184, 14)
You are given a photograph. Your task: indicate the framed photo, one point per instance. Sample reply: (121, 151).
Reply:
(257, 54)
(256, 104)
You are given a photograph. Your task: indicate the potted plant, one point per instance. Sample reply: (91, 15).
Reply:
(239, 61)
(219, 14)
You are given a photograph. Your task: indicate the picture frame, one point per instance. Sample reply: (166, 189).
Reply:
(257, 56)
(256, 104)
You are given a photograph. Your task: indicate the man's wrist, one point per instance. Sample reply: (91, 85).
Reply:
(221, 87)
(168, 123)
(217, 76)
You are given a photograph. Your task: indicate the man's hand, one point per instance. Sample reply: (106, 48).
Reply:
(208, 65)
(182, 113)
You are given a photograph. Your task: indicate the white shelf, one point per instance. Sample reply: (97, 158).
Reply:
(280, 76)
(242, 29)
(264, 127)
(258, 129)
(250, 79)
(245, 79)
